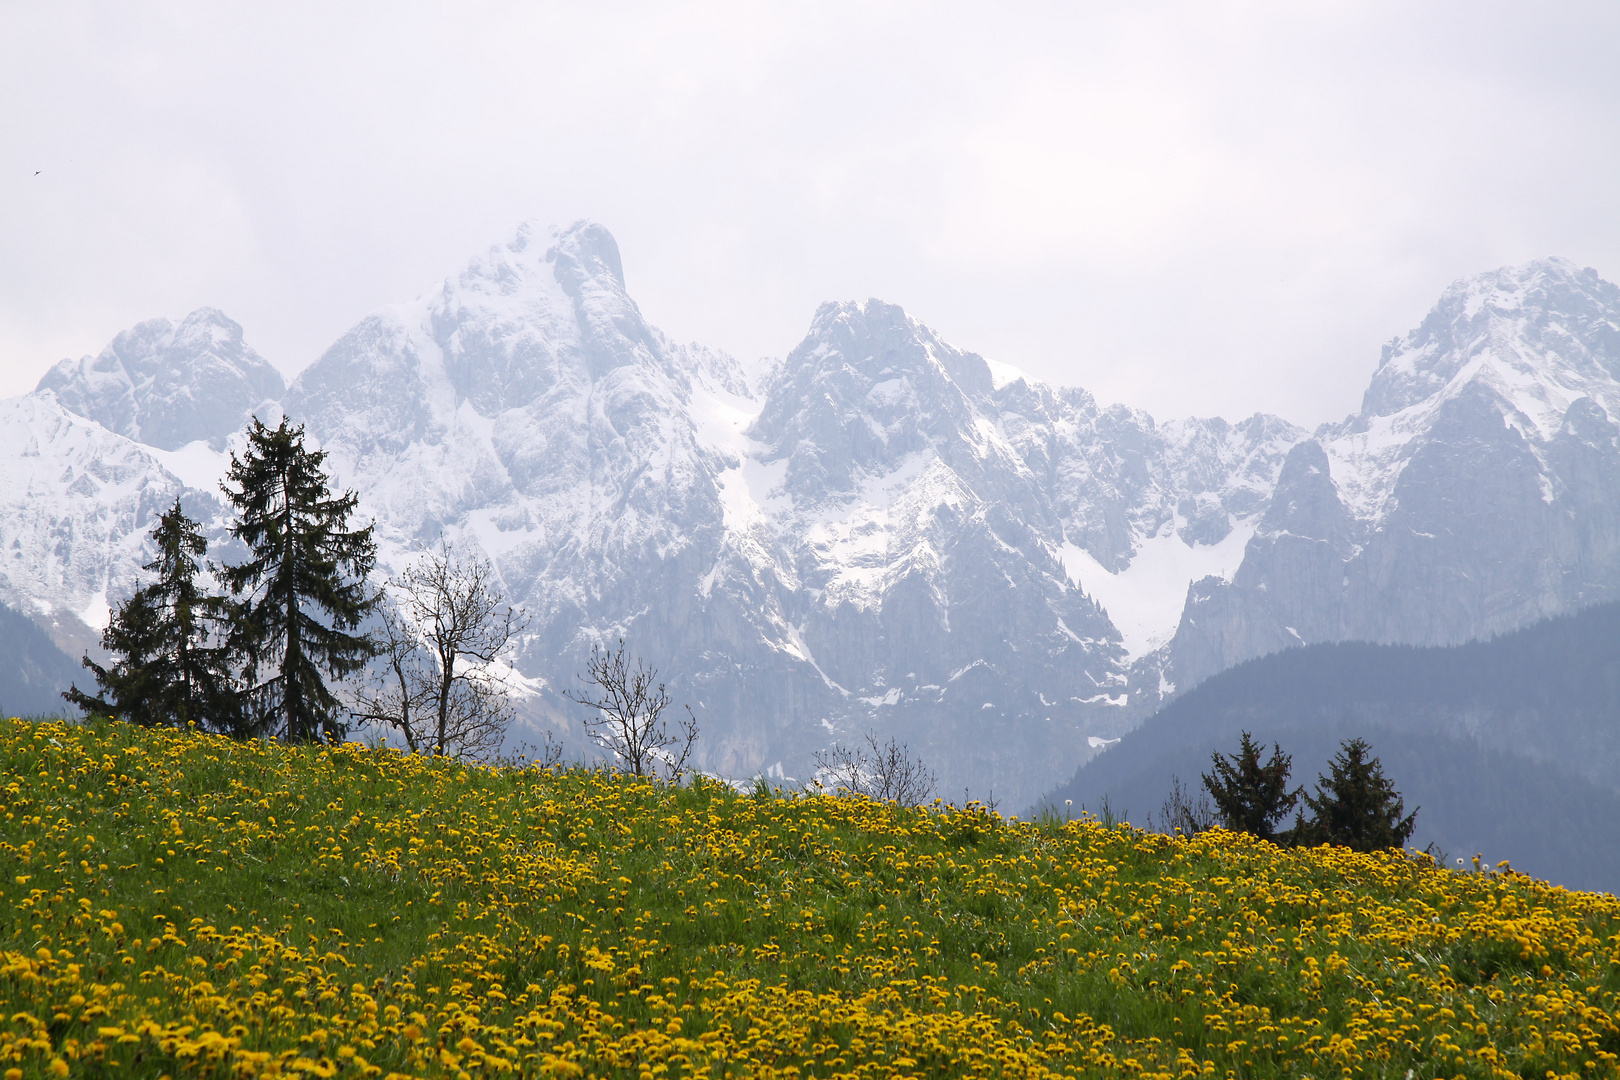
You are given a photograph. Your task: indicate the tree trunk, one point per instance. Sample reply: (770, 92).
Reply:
(445, 678)
(290, 660)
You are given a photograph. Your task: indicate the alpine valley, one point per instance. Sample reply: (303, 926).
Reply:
(879, 531)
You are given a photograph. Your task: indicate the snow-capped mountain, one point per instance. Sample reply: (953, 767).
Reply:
(1477, 490)
(102, 447)
(866, 537)
(879, 531)
(169, 386)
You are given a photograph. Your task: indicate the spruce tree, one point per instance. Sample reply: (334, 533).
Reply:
(1356, 806)
(1251, 797)
(172, 669)
(302, 589)
(130, 689)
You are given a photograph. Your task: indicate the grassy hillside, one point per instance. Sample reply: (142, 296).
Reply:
(184, 905)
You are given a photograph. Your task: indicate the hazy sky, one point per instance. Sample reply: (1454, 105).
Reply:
(1196, 208)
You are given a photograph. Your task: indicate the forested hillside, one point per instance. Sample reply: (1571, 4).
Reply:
(1511, 746)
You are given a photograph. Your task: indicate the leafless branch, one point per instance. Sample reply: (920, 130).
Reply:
(1180, 814)
(883, 771)
(443, 637)
(397, 694)
(629, 723)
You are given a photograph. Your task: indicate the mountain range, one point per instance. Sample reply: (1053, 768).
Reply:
(877, 531)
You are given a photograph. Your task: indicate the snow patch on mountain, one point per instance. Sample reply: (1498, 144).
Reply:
(1002, 374)
(1146, 598)
(196, 464)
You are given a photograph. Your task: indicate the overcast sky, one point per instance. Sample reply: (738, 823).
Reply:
(1203, 208)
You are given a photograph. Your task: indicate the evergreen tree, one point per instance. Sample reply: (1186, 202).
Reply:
(304, 561)
(1356, 806)
(171, 672)
(130, 688)
(1251, 797)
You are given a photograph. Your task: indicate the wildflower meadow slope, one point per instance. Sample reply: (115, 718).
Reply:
(187, 905)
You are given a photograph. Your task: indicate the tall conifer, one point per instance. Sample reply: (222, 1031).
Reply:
(129, 689)
(303, 587)
(1355, 805)
(172, 668)
(1251, 797)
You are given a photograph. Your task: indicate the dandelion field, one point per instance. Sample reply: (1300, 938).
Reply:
(184, 905)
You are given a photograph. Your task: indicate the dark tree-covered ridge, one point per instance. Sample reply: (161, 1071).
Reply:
(1511, 745)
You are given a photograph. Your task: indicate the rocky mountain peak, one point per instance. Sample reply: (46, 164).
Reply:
(167, 385)
(1306, 503)
(525, 317)
(582, 256)
(585, 251)
(867, 387)
(524, 327)
(881, 340)
(1543, 322)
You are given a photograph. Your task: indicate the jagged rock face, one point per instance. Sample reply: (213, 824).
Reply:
(1477, 491)
(866, 389)
(33, 669)
(1289, 573)
(1524, 330)
(925, 547)
(873, 537)
(166, 385)
(76, 504)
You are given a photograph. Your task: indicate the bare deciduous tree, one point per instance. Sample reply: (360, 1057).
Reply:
(397, 694)
(1180, 814)
(629, 721)
(446, 627)
(883, 771)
